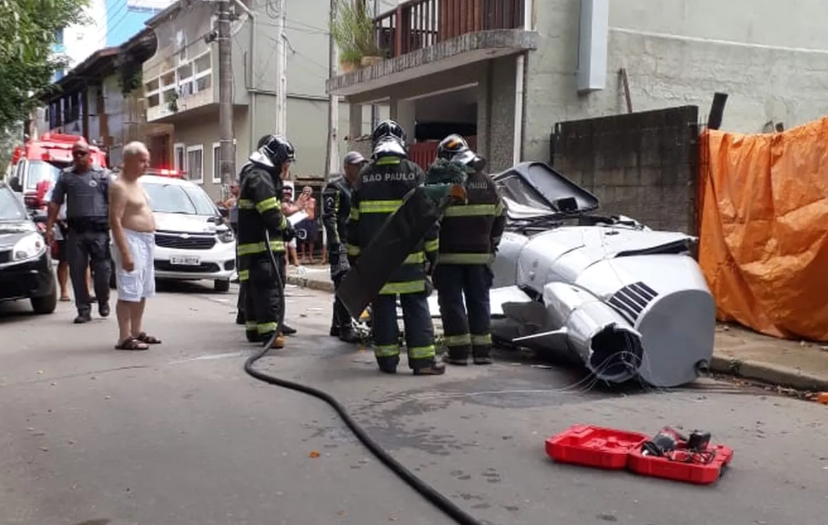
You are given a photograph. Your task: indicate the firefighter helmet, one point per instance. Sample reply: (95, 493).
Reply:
(277, 149)
(451, 146)
(385, 129)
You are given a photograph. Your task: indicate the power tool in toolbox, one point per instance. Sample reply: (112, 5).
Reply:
(671, 444)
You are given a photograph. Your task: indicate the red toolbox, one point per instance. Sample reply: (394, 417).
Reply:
(599, 447)
(609, 448)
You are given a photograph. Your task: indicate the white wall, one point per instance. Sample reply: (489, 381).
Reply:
(770, 57)
(81, 41)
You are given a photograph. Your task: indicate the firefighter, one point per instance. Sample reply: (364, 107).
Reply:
(336, 208)
(469, 237)
(241, 300)
(260, 210)
(379, 192)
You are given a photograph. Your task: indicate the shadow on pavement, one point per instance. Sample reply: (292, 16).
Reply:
(16, 311)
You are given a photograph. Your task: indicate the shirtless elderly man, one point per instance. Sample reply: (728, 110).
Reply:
(133, 230)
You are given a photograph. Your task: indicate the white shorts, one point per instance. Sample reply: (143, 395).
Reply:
(140, 282)
(292, 243)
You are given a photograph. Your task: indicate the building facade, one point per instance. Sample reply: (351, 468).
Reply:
(110, 23)
(181, 84)
(505, 71)
(101, 100)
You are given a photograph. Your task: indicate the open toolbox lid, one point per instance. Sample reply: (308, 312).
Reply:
(614, 449)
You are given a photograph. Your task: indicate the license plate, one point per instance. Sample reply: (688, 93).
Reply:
(186, 260)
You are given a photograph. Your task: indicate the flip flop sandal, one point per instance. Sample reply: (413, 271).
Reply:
(130, 343)
(65, 299)
(148, 339)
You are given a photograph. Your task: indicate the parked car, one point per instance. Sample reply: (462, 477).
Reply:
(192, 240)
(26, 271)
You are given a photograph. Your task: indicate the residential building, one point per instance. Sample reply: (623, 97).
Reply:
(181, 84)
(110, 23)
(503, 72)
(101, 100)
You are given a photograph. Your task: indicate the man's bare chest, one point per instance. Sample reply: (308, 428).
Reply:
(136, 199)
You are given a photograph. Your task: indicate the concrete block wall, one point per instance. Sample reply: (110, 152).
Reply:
(643, 165)
(496, 112)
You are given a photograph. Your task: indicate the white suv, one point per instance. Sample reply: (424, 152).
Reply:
(192, 242)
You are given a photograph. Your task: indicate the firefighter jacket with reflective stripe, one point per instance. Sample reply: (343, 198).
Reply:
(260, 207)
(379, 192)
(470, 233)
(336, 208)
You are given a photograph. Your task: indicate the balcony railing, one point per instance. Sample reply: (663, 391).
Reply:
(418, 24)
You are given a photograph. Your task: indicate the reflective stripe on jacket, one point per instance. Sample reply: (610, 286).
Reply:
(379, 193)
(470, 233)
(260, 208)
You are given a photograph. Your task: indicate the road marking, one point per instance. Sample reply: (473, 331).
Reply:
(208, 357)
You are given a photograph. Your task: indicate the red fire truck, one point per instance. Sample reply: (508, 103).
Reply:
(37, 163)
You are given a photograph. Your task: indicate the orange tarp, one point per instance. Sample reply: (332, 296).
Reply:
(764, 229)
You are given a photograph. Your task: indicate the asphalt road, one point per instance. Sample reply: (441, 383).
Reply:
(180, 435)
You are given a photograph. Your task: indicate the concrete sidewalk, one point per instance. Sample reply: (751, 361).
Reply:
(739, 352)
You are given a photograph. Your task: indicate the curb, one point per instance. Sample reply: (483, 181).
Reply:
(751, 370)
(313, 284)
(767, 373)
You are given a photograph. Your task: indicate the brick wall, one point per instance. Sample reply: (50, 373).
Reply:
(643, 165)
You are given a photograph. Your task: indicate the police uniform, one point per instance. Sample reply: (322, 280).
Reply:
(260, 208)
(336, 208)
(469, 236)
(381, 186)
(87, 240)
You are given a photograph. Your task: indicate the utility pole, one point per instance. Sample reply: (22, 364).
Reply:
(374, 107)
(332, 154)
(281, 67)
(227, 158)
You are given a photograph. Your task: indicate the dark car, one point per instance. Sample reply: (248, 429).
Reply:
(25, 259)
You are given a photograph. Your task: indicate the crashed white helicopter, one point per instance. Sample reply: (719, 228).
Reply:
(627, 301)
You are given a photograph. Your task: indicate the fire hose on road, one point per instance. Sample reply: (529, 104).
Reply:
(423, 488)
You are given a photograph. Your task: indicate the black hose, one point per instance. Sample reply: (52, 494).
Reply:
(423, 488)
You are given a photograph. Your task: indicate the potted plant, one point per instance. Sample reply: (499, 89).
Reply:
(353, 31)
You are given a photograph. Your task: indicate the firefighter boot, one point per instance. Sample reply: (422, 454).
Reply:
(388, 364)
(457, 354)
(481, 355)
(427, 367)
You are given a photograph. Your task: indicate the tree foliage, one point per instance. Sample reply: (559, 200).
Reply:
(28, 30)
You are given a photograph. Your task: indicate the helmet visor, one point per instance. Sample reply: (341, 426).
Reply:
(389, 146)
(464, 158)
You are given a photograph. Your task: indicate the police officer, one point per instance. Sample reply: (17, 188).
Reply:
(469, 237)
(260, 211)
(85, 189)
(336, 208)
(379, 192)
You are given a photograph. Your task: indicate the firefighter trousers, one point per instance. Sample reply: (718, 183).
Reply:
(419, 331)
(263, 297)
(463, 332)
(341, 317)
(241, 300)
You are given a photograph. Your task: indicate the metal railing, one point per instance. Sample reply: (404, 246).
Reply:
(417, 24)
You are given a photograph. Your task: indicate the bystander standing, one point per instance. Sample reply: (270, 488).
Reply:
(133, 229)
